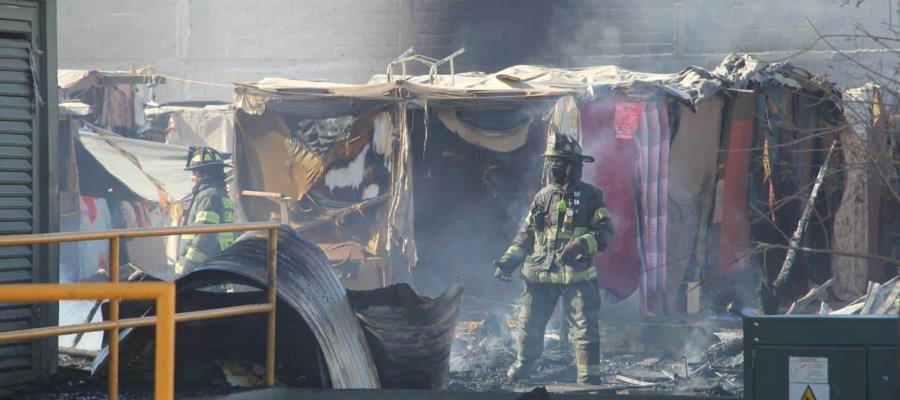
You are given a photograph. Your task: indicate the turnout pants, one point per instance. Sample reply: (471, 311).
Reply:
(581, 302)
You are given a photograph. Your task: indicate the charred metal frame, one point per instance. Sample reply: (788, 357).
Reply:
(432, 64)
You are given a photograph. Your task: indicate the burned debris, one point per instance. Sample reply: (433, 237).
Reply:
(329, 337)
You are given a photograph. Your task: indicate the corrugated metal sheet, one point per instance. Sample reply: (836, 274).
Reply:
(307, 282)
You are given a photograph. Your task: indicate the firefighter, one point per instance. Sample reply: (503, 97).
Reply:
(208, 203)
(567, 224)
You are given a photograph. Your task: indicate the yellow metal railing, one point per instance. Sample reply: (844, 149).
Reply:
(163, 293)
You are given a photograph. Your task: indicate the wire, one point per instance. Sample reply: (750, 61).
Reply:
(196, 82)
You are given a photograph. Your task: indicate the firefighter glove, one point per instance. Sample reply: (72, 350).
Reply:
(504, 269)
(574, 251)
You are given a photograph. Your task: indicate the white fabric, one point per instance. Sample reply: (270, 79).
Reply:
(211, 126)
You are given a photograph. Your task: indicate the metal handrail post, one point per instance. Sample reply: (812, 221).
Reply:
(273, 299)
(164, 388)
(113, 377)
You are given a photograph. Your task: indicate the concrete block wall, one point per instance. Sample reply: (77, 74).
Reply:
(231, 40)
(350, 40)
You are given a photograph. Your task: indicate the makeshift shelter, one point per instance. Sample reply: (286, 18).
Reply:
(208, 124)
(473, 149)
(456, 159)
(355, 152)
(116, 98)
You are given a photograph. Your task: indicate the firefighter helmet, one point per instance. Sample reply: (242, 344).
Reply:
(561, 146)
(200, 157)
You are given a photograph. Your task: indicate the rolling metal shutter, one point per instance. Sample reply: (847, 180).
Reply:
(16, 201)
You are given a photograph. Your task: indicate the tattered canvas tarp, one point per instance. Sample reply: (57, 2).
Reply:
(211, 126)
(153, 171)
(514, 83)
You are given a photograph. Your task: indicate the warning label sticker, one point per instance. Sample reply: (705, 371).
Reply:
(809, 391)
(808, 370)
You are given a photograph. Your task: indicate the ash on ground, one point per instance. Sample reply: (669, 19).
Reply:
(484, 350)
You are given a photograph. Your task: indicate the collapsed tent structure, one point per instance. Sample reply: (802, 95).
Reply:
(435, 172)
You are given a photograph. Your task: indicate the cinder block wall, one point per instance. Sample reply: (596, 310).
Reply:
(350, 40)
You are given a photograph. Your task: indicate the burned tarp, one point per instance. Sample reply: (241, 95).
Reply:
(314, 316)
(410, 336)
(328, 156)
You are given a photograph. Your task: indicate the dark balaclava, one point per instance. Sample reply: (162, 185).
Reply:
(212, 175)
(564, 171)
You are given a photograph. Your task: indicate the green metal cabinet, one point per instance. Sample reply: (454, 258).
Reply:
(861, 353)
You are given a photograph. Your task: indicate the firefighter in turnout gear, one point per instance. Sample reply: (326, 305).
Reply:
(567, 224)
(208, 203)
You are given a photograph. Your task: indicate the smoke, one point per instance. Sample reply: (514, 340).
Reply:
(470, 202)
(667, 36)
